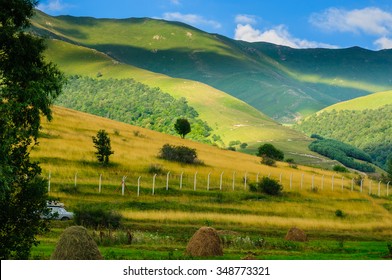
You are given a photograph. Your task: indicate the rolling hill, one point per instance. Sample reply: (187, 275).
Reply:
(364, 122)
(284, 83)
(230, 118)
(165, 220)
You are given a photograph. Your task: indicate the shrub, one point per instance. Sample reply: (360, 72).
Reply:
(267, 186)
(181, 154)
(268, 150)
(156, 169)
(339, 213)
(339, 168)
(268, 161)
(95, 216)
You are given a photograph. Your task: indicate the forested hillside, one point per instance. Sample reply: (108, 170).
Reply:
(344, 153)
(134, 103)
(369, 129)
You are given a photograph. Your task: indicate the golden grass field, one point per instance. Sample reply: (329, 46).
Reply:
(66, 149)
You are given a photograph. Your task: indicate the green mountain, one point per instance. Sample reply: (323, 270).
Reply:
(229, 118)
(282, 82)
(364, 122)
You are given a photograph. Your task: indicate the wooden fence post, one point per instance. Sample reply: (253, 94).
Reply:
(220, 182)
(138, 186)
(123, 185)
(153, 184)
(379, 188)
(182, 173)
(388, 189)
(49, 177)
(195, 181)
(208, 181)
(100, 183)
(167, 180)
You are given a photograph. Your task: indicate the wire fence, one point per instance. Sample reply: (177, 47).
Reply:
(148, 184)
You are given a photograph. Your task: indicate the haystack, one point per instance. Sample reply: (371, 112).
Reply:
(76, 244)
(205, 243)
(296, 234)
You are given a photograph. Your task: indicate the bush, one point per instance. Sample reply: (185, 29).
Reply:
(179, 154)
(339, 213)
(339, 168)
(268, 150)
(268, 161)
(267, 186)
(94, 216)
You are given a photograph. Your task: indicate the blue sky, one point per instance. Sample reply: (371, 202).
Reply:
(294, 23)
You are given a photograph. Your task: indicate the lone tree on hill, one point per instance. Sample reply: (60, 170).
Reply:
(102, 144)
(182, 127)
(28, 86)
(269, 154)
(268, 150)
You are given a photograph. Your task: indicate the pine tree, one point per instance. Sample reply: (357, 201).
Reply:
(102, 144)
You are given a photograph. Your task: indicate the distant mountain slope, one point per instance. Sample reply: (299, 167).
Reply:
(228, 117)
(284, 83)
(370, 102)
(364, 122)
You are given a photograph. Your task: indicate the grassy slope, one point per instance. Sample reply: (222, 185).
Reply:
(66, 149)
(371, 101)
(362, 122)
(230, 118)
(280, 81)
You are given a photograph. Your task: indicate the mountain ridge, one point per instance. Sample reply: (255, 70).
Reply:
(274, 79)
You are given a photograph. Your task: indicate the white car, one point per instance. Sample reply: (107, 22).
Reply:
(58, 212)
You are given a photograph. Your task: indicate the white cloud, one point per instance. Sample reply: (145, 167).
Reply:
(278, 35)
(192, 19)
(53, 6)
(383, 43)
(246, 19)
(371, 21)
(175, 2)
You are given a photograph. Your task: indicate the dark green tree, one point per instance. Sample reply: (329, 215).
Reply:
(268, 150)
(28, 87)
(267, 186)
(102, 144)
(182, 127)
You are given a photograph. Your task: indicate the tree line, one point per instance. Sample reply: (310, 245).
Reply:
(132, 102)
(368, 130)
(344, 153)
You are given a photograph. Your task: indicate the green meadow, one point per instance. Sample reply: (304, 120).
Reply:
(251, 225)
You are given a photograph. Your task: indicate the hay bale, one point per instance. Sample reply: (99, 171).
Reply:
(296, 234)
(76, 244)
(205, 243)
